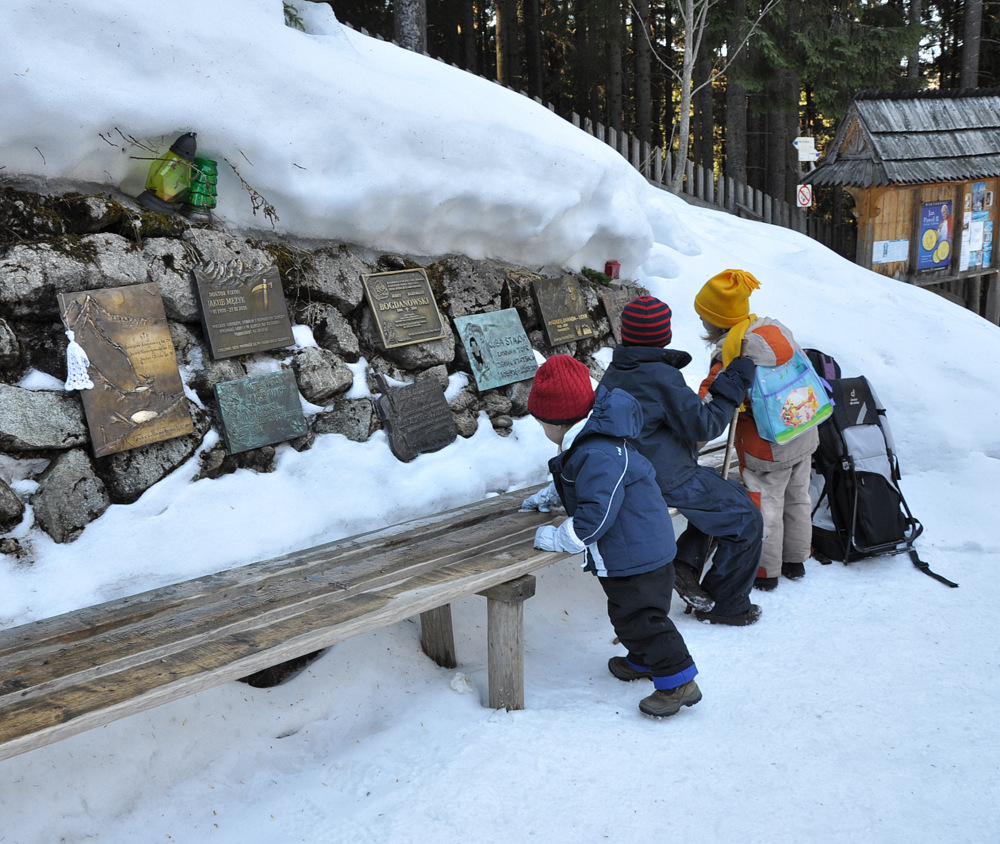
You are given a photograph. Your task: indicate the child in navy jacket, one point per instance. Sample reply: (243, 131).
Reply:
(619, 519)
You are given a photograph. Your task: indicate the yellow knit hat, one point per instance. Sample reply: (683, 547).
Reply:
(724, 300)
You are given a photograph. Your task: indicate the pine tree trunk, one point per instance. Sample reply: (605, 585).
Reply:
(410, 24)
(643, 106)
(913, 63)
(508, 48)
(533, 48)
(615, 95)
(704, 152)
(736, 100)
(684, 118)
(970, 43)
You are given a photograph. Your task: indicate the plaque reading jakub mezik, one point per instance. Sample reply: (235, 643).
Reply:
(498, 349)
(260, 410)
(243, 308)
(138, 396)
(403, 306)
(563, 309)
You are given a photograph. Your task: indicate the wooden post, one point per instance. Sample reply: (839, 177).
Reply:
(505, 631)
(992, 298)
(437, 636)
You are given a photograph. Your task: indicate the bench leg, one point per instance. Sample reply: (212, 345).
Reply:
(437, 636)
(505, 632)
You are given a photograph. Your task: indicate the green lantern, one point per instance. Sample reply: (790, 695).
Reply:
(201, 195)
(170, 176)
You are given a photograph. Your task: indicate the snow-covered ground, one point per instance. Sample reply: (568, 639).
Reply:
(863, 705)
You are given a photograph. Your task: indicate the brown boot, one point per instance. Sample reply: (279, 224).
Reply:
(665, 702)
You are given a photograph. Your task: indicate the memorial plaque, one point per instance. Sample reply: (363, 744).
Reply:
(498, 348)
(563, 309)
(404, 307)
(260, 410)
(138, 396)
(242, 308)
(415, 417)
(615, 299)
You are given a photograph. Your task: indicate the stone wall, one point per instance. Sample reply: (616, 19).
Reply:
(51, 244)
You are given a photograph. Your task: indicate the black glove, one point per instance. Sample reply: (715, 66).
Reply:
(734, 381)
(743, 368)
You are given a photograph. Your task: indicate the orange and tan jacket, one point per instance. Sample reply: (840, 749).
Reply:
(767, 343)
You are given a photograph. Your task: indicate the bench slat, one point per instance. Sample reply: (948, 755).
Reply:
(189, 637)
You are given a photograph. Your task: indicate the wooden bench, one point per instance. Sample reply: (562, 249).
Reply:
(70, 673)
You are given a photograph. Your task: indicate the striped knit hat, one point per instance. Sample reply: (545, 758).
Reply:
(646, 322)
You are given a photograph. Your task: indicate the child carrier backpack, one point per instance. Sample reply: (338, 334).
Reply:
(788, 399)
(858, 506)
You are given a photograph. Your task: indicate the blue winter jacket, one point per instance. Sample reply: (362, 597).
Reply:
(610, 491)
(675, 419)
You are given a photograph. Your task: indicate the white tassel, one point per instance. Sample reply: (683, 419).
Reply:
(76, 366)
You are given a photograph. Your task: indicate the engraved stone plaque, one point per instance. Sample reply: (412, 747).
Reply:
(242, 308)
(415, 417)
(615, 298)
(138, 396)
(563, 309)
(498, 348)
(260, 410)
(404, 307)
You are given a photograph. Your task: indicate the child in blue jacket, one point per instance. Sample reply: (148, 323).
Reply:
(617, 516)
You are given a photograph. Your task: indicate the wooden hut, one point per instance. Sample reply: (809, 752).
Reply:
(924, 170)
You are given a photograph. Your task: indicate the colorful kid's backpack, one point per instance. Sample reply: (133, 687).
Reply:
(788, 399)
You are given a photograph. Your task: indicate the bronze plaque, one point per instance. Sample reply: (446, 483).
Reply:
(615, 298)
(563, 309)
(242, 308)
(498, 348)
(260, 410)
(415, 417)
(404, 307)
(138, 396)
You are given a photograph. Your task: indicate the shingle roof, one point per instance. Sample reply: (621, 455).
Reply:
(907, 137)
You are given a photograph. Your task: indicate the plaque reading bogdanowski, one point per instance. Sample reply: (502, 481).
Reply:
(242, 308)
(498, 349)
(563, 309)
(403, 306)
(138, 396)
(260, 410)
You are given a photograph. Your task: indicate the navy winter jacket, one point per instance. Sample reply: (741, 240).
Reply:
(675, 419)
(610, 491)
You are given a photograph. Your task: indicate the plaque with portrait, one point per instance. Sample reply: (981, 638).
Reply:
(404, 307)
(242, 308)
(260, 410)
(138, 396)
(563, 309)
(498, 349)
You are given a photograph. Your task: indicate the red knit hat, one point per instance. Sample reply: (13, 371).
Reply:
(562, 393)
(646, 322)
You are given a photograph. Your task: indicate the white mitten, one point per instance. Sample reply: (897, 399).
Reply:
(543, 501)
(562, 538)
